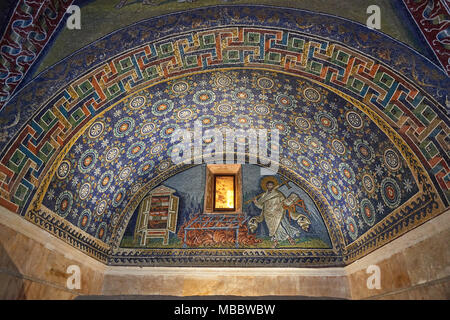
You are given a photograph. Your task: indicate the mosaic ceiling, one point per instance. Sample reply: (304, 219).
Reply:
(324, 139)
(363, 128)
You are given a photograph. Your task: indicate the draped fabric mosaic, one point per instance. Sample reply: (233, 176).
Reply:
(364, 134)
(433, 19)
(29, 29)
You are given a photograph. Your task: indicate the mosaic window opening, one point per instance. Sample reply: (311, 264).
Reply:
(223, 189)
(224, 193)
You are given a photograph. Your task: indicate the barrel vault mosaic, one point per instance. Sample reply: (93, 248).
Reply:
(363, 141)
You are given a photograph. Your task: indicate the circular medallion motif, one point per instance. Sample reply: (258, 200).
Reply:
(285, 101)
(124, 173)
(118, 197)
(311, 94)
(123, 127)
(115, 219)
(288, 163)
(352, 228)
(185, 114)
(261, 109)
(63, 170)
(335, 190)
(105, 181)
(64, 203)
(364, 151)
(84, 219)
(367, 212)
(223, 81)
(326, 121)
(168, 130)
(281, 126)
(162, 107)
(390, 192)
(84, 191)
(164, 165)
(326, 166)
(135, 150)
(241, 138)
(137, 102)
(265, 83)
(294, 145)
(242, 95)
(368, 183)
(174, 151)
(224, 109)
(112, 154)
(156, 149)
(305, 163)
(96, 130)
(316, 182)
(204, 97)
(347, 173)
(314, 144)
(146, 167)
(207, 121)
(101, 207)
(351, 201)
(147, 128)
(135, 187)
(180, 87)
(354, 120)
(302, 123)
(87, 160)
(338, 214)
(101, 231)
(338, 146)
(243, 121)
(392, 160)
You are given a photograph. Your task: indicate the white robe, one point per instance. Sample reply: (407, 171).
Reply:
(271, 204)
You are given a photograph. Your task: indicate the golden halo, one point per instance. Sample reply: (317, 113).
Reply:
(267, 179)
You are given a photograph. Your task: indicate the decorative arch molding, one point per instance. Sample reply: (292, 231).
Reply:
(231, 257)
(418, 209)
(58, 106)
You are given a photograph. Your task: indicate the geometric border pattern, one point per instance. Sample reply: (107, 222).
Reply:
(412, 112)
(412, 108)
(417, 210)
(432, 19)
(29, 29)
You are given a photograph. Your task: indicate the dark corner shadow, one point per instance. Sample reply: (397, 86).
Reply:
(11, 281)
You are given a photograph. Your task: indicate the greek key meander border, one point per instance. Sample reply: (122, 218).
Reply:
(104, 64)
(37, 200)
(396, 139)
(275, 68)
(351, 257)
(364, 243)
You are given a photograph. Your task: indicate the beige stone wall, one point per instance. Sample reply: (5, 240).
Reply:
(328, 282)
(33, 263)
(414, 266)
